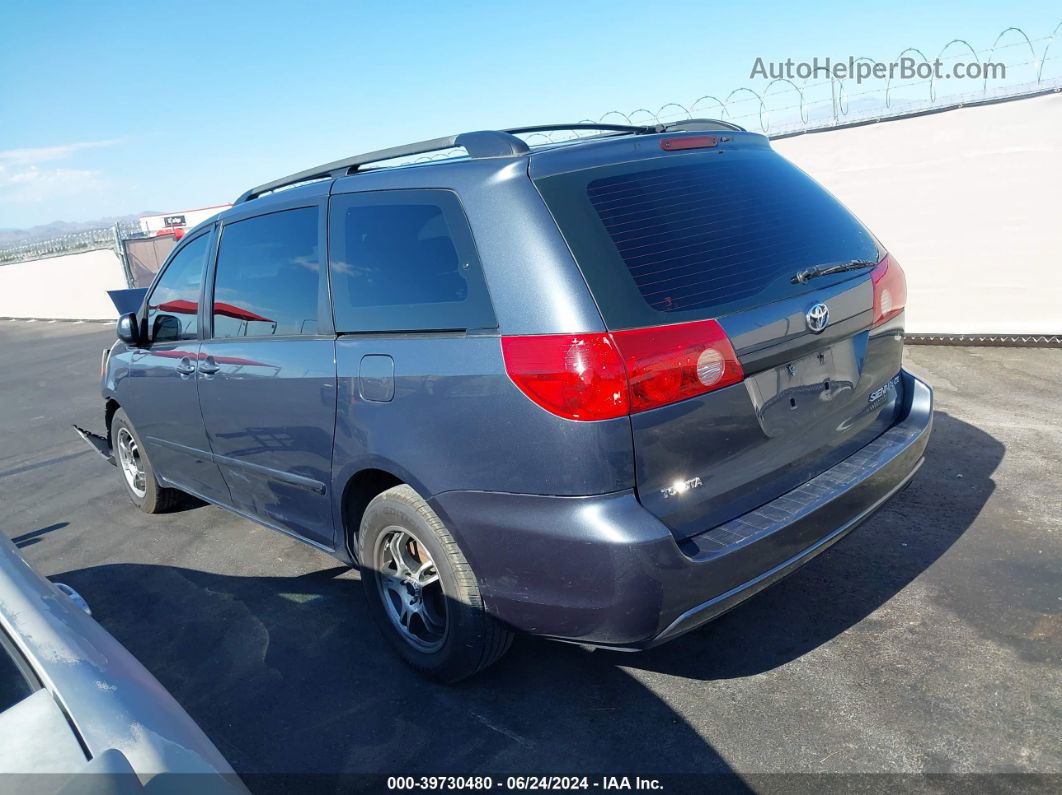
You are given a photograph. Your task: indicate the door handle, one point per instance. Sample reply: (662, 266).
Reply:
(208, 366)
(185, 366)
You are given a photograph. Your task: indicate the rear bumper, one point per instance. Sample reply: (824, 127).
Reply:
(604, 571)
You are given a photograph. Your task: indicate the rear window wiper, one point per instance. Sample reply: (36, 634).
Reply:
(826, 270)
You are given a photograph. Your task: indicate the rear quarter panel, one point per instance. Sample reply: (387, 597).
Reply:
(457, 422)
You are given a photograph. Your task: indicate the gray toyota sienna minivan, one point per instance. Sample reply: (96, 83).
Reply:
(600, 391)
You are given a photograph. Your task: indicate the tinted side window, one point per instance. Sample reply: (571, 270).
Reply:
(405, 261)
(267, 276)
(174, 303)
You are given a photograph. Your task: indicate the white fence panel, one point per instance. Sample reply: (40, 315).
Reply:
(970, 203)
(72, 286)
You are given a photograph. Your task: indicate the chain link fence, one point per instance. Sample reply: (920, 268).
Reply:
(71, 243)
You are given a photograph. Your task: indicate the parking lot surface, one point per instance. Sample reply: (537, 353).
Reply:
(929, 640)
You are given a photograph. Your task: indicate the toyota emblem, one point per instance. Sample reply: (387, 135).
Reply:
(817, 317)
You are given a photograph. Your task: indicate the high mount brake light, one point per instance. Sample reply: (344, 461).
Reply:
(890, 290)
(688, 142)
(602, 376)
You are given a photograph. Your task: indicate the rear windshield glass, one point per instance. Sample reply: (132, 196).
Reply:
(713, 235)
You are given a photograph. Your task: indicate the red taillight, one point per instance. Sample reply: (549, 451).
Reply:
(602, 376)
(670, 363)
(577, 376)
(890, 290)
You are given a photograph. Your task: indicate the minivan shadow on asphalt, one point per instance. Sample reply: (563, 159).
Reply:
(289, 674)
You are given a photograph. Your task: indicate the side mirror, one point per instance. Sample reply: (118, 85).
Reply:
(129, 330)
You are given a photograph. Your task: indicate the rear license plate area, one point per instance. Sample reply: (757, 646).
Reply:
(792, 396)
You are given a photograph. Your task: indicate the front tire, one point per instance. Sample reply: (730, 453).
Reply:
(138, 477)
(422, 592)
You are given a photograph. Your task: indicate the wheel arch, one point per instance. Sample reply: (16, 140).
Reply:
(359, 491)
(110, 408)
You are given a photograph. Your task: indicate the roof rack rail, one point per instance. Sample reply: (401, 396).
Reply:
(685, 125)
(481, 144)
(701, 125)
(485, 143)
(537, 128)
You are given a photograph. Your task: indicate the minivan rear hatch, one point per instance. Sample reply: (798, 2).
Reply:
(721, 227)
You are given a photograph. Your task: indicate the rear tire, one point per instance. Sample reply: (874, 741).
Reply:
(136, 471)
(422, 592)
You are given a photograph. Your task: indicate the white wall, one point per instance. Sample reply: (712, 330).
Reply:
(970, 203)
(71, 286)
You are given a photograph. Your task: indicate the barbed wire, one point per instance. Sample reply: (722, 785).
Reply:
(744, 106)
(754, 109)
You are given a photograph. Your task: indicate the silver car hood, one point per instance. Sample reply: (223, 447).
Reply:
(110, 699)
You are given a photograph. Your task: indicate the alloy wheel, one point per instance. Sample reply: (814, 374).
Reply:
(131, 463)
(410, 589)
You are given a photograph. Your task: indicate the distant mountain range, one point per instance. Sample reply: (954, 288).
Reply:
(17, 237)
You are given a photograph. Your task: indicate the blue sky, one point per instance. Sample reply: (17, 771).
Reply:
(113, 108)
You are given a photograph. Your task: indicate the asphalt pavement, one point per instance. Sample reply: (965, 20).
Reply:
(930, 640)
